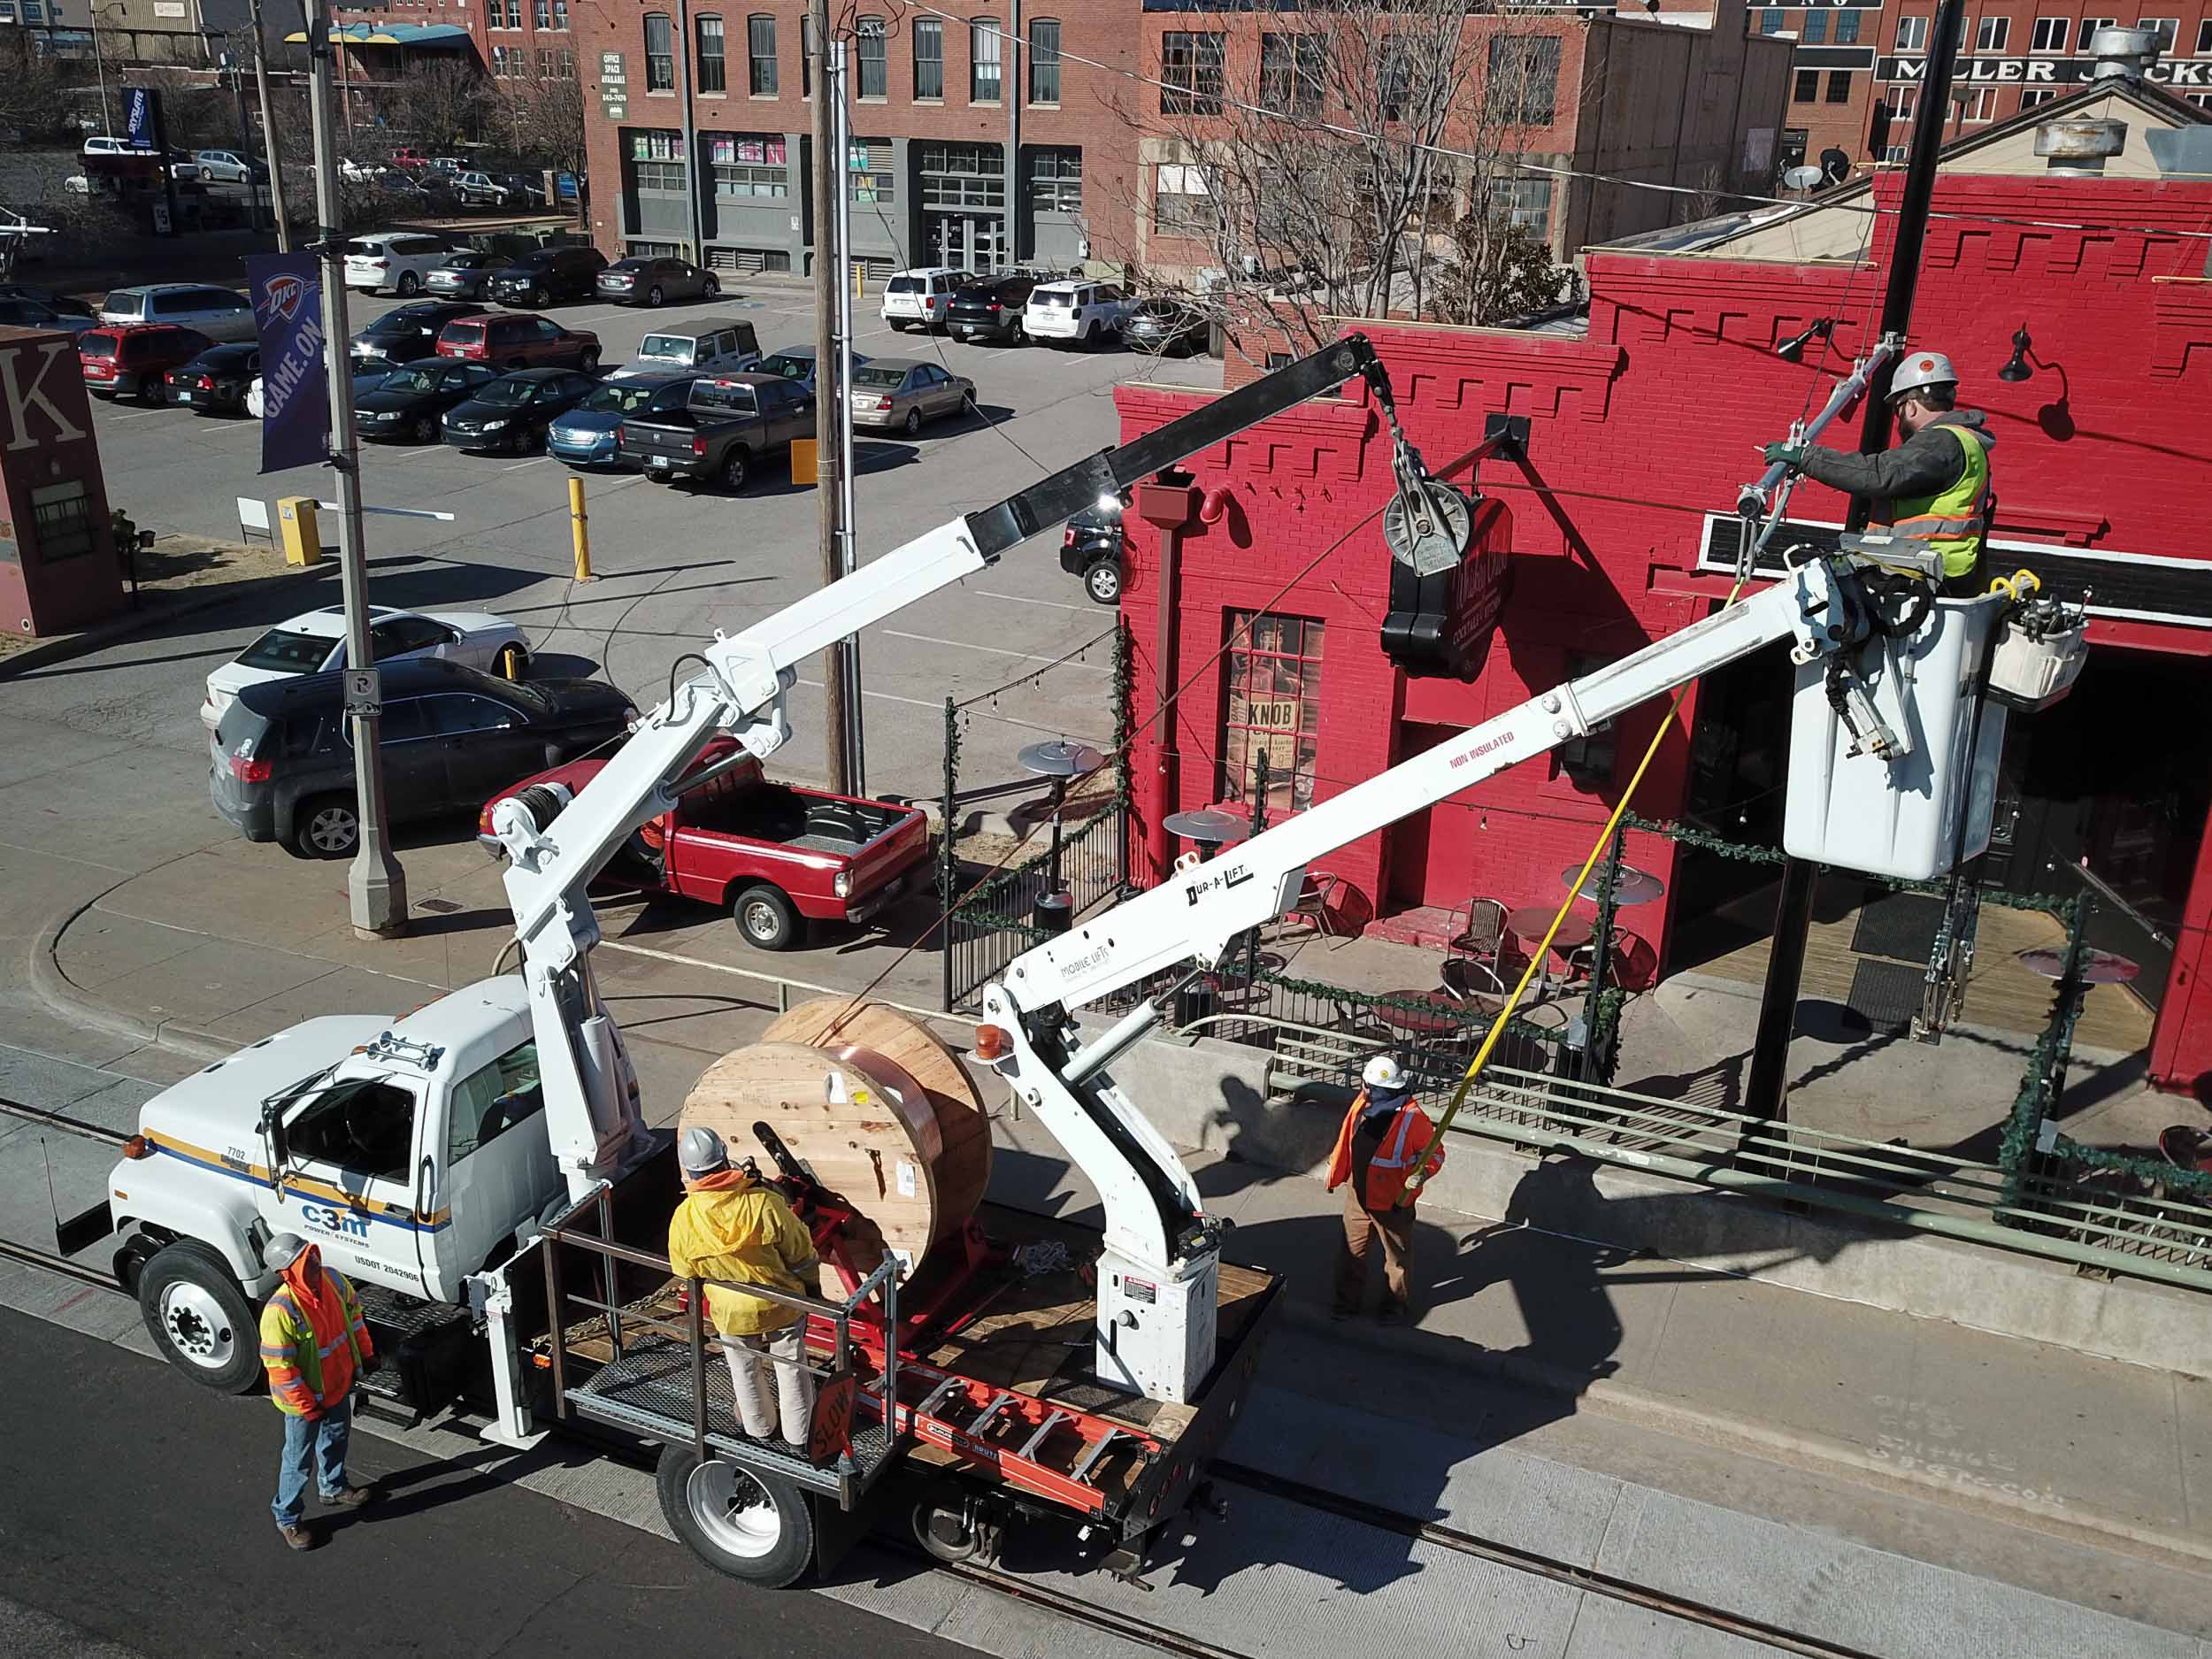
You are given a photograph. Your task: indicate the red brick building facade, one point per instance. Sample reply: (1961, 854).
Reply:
(1643, 429)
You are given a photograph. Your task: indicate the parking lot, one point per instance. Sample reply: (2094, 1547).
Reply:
(674, 563)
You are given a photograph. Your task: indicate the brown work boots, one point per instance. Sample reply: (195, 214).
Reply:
(296, 1537)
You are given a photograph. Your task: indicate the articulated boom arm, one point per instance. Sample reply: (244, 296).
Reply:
(590, 1090)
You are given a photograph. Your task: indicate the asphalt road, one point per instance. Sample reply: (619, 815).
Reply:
(135, 1521)
(674, 563)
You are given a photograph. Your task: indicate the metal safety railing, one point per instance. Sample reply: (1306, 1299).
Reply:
(993, 924)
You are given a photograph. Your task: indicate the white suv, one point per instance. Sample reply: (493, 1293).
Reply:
(1086, 312)
(398, 260)
(923, 296)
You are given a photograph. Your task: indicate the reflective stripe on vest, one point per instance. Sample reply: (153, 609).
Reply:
(1396, 1157)
(1954, 520)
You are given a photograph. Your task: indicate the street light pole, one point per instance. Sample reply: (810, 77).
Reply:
(268, 139)
(376, 886)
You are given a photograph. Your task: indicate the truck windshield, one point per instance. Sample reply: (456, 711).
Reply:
(734, 400)
(668, 348)
(281, 651)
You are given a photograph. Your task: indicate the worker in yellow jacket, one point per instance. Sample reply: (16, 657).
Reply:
(314, 1343)
(738, 1230)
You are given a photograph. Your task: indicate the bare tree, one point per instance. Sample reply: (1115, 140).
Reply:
(31, 86)
(547, 117)
(437, 106)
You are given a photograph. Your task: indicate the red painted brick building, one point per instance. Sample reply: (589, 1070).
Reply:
(1644, 428)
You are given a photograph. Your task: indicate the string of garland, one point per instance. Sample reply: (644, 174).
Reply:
(1122, 690)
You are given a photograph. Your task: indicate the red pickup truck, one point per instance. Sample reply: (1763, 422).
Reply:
(776, 857)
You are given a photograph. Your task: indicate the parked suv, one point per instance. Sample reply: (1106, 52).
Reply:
(992, 308)
(1091, 547)
(518, 340)
(227, 166)
(124, 362)
(451, 738)
(218, 314)
(545, 274)
(1085, 313)
(923, 296)
(396, 260)
(713, 345)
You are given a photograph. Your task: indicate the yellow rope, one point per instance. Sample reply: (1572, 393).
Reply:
(1422, 1167)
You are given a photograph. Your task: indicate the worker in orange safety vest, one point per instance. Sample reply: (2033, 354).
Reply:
(1384, 1136)
(314, 1343)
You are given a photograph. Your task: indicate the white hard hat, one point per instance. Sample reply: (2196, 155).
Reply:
(1919, 369)
(1384, 1072)
(284, 1249)
(701, 1152)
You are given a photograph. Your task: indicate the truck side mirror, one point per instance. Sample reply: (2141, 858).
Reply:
(272, 1132)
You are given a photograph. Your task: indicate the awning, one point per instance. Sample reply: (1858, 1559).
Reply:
(435, 36)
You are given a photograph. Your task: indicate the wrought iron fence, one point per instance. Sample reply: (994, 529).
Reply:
(991, 924)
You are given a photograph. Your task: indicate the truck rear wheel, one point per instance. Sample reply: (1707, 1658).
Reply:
(200, 1319)
(743, 1522)
(766, 917)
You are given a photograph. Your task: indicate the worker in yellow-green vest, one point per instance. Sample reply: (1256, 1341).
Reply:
(314, 1343)
(1935, 485)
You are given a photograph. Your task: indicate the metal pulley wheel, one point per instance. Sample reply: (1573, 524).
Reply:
(1428, 526)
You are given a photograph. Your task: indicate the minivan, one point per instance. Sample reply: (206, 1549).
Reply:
(219, 313)
(713, 345)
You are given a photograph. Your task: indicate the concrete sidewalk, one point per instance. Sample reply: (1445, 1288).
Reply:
(209, 951)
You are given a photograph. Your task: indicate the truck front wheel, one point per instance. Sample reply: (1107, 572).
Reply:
(766, 919)
(744, 1522)
(200, 1319)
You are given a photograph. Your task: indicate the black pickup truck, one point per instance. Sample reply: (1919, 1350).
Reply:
(729, 423)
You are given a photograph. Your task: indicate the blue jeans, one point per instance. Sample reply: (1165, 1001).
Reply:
(325, 1438)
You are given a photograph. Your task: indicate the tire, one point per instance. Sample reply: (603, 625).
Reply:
(328, 827)
(426, 429)
(737, 471)
(767, 1542)
(410, 284)
(943, 1526)
(765, 919)
(513, 662)
(1090, 337)
(199, 1318)
(912, 424)
(540, 299)
(589, 363)
(711, 289)
(898, 325)
(1020, 336)
(655, 296)
(150, 391)
(1103, 582)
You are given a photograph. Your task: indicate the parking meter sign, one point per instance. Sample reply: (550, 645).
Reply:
(365, 693)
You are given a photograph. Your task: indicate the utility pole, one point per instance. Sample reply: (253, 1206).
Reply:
(268, 138)
(849, 551)
(245, 139)
(376, 886)
(829, 184)
(1794, 910)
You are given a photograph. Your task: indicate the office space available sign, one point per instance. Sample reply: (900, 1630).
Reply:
(288, 306)
(2037, 72)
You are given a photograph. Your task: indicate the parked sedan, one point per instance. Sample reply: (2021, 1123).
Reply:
(546, 275)
(411, 401)
(1166, 328)
(408, 334)
(462, 276)
(654, 280)
(67, 317)
(895, 394)
(215, 382)
(513, 412)
(315, 643)
(585, 434)
(282, 759)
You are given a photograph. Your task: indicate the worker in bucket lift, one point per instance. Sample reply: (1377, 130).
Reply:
(1384, 1136)
(735, 1228)
(1935, 485)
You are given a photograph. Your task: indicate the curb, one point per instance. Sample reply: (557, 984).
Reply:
(74, 645)
(1813, 1452)
(64, 996)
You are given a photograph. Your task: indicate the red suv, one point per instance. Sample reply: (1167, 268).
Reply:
(520, 340)
(120, 361)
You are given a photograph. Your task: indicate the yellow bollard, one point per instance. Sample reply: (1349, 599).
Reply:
(298, 530)
(860, 281)
(580, 527)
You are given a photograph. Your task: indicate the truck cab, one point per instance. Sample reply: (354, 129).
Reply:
(411, 1151)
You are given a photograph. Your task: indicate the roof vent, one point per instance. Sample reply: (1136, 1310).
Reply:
(2123, 52)
(2079, 147)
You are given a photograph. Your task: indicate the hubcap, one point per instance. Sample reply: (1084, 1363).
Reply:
(332, 829)
(1105, 584)
(197, 1325)
(733, 1510)
(760, 919)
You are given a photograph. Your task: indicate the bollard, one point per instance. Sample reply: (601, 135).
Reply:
(802, 474)
(579, 528)
(299, 531)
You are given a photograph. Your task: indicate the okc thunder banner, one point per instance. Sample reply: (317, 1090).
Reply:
(288, 305)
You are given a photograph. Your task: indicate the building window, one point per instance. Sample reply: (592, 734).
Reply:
(2202, 100)
(983, 60)
(1990, 33)
(1191, 65)
(61, 517)
(806, 54)
(2030, 96)
(541, 14)
(714, 75)
(1770, 20)
(1394, 78)
(958, 177)
(1981, 106)
(1181, 203)
(1523, 83)
(1056, 180)
(1912, 34)
(875, 66)
(1839, 86)
(1271, 706)
(507, 17)
(660, 53)
(1807, 87)
(929, 59)
(1528, 207)
(2164, 28)
(869, 179)
(656, 161)
(1847, 28)
(760, 54)
(2090, 26)
(568, 65)
(560, 14)
(753, 165)
(1902, 102)
(1290, 73)
(2204, 38)
(1044, 60)
(2049, 34)
(1814, 29)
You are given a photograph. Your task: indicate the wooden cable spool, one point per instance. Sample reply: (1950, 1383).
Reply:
(882, 1111)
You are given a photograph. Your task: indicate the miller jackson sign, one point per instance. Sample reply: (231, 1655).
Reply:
(2037, 72)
